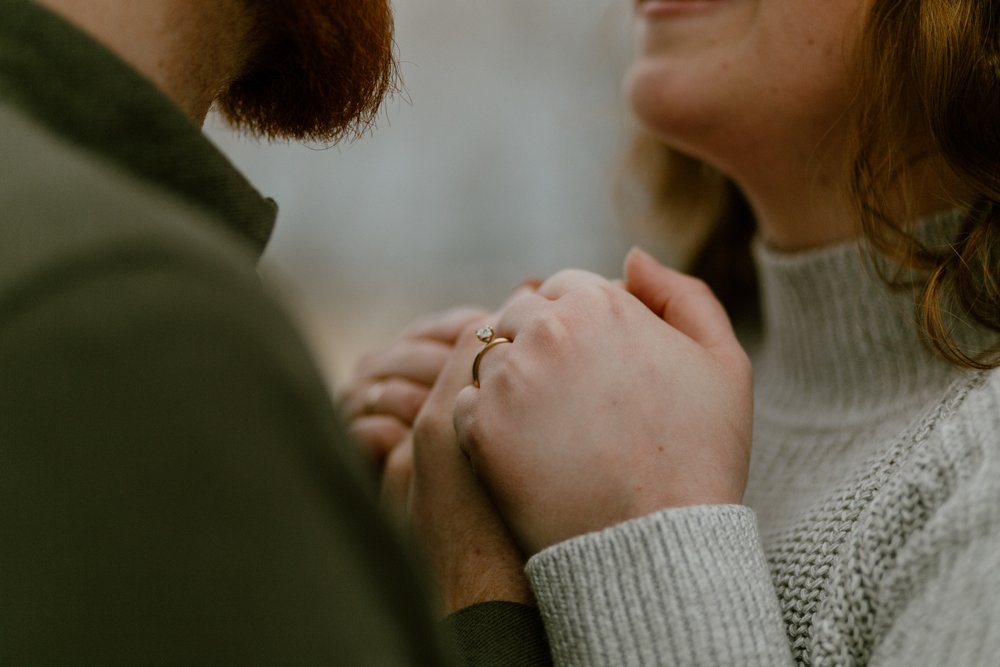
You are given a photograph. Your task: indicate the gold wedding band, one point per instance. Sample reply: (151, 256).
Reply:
(490, 343)
(372, 397)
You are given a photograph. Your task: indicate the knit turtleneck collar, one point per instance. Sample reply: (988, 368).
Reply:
(839, 346)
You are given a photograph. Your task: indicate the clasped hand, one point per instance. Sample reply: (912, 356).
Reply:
(614, 400)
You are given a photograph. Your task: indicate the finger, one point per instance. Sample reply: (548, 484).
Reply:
(396, 397)
(445, 327)
(419, 361)
(456, 374)
(377, 435)
(486, 357)
(684, 302)
(467, 410)
(362, 398)
(523, 300)
(435, 446)
(568, 280)
(396, 478)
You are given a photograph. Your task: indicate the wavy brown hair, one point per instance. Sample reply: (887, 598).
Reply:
(927, 69)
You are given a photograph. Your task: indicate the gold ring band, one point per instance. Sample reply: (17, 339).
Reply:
(475, 364)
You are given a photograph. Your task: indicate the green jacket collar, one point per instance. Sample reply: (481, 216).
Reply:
(69, 82)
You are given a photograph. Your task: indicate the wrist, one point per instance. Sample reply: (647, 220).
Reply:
(485, 580)
(477, 566)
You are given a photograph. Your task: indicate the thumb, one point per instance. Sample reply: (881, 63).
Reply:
(684, 302)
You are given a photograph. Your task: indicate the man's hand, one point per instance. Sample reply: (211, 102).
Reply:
(472, 554)
(388, 388)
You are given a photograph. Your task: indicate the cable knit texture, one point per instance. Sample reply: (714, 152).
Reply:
(871, 527)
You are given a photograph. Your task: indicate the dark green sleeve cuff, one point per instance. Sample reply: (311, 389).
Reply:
(501, 634)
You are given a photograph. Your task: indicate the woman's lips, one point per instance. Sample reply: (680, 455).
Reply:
(666, 8)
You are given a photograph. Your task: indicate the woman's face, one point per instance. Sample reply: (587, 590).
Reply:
(743, 81)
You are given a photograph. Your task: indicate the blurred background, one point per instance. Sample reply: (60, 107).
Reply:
(496, 163)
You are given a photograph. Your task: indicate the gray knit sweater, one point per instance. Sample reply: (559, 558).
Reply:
(871, 529)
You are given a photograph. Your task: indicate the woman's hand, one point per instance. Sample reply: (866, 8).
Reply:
(389, 387)
(428, 480)
(609, 405)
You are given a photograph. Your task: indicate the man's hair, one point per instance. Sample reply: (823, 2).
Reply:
(319, 74)
(928, 69)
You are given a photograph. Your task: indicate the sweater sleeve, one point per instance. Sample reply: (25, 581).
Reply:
(683, 586)
(915, 582)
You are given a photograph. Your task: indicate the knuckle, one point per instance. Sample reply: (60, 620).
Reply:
(609, 298)
(563, 275)
(469, 424)
(548, 333)
(464, 418)
(578, 275)
(473, 437)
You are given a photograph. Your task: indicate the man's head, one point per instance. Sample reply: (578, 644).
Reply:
(320, 72)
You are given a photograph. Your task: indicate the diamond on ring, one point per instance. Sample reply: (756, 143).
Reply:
(485, 334)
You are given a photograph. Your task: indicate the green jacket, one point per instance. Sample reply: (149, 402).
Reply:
(174, 485)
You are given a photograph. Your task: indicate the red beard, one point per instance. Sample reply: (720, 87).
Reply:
(321, 73)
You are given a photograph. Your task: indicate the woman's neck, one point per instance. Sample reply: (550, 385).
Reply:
(804, 204)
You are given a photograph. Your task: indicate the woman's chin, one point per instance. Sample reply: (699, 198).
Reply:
(672, 112)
